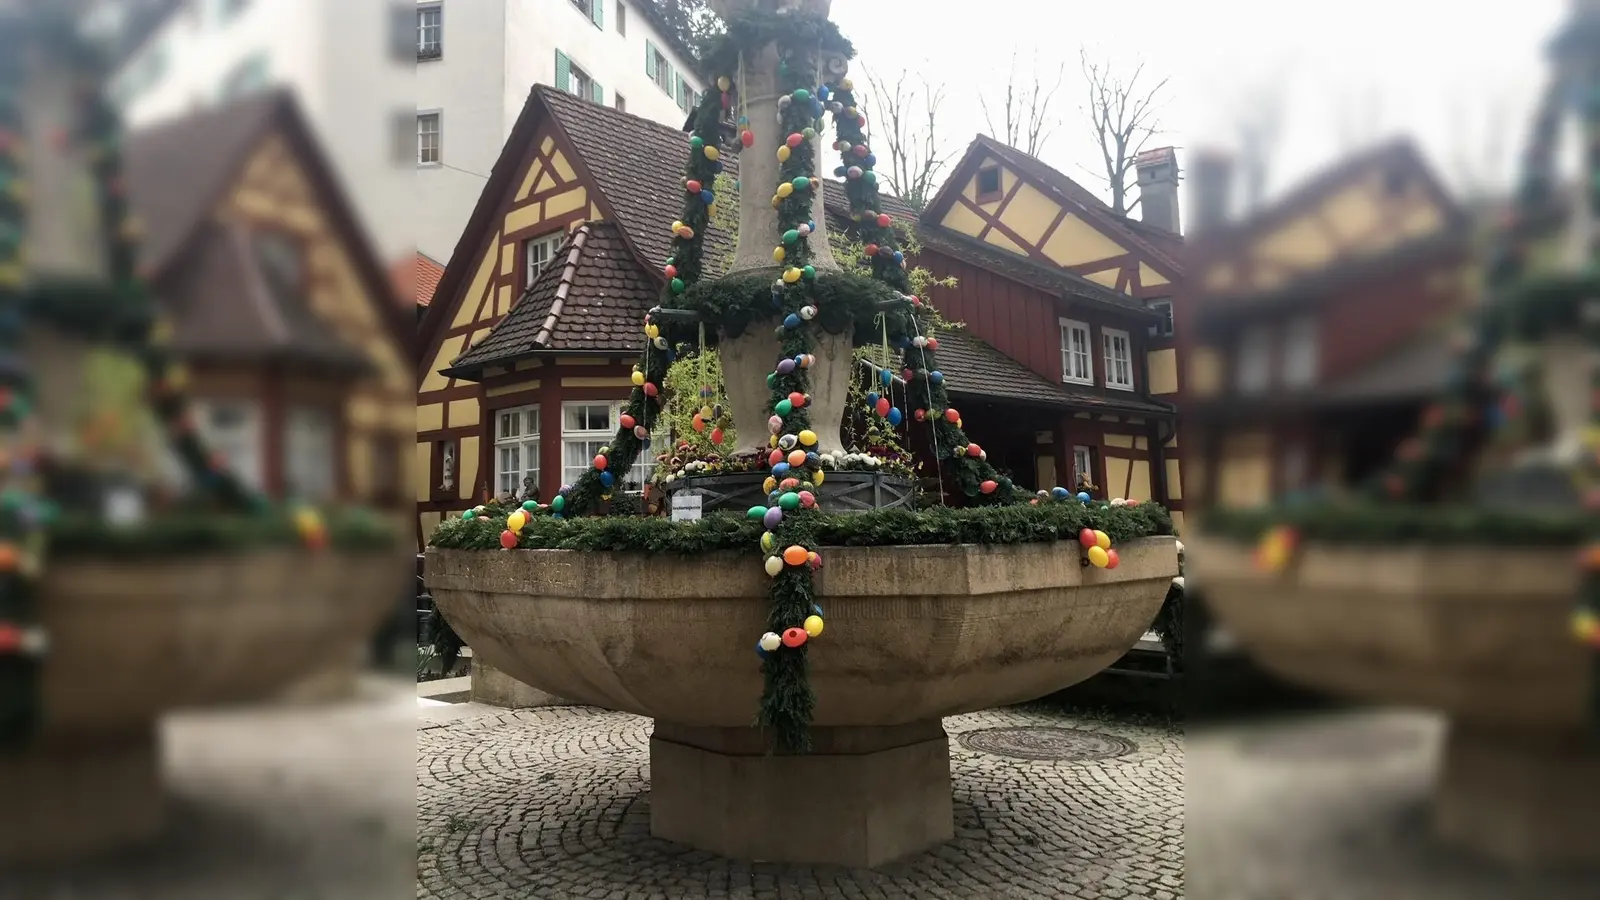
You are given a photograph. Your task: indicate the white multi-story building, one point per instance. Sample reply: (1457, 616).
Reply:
(477, 60)
(349, 62)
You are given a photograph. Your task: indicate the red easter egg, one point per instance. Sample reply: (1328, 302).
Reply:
(808, 499)
(693, 186)
(1086, 537)
(650, 390)
(600, 462)
(883, 406)
(789, 484)
(796, 139)
(775, 457)
(933, 343)
(871, 250)
(884, 220)
(988, 487)
(797, 399)
(951, 415)
(920, 414)
(716, 436)
(1112, 559)
(627, 421)
(508, 539)
(747, 138)
(794, 637)
(670, 271)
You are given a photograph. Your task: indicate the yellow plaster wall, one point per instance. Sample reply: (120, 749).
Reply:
(430, 417)
(479, 285)
(1174, 483)
(588, 382)
(468, 462)
(430, 521)
(999, 239)
(1116, 475)
(508, 258)
(1163, 366)
(1029, 213)
(502, 302)
(1119, 440)
(1076, 242)
(503, 389)
(1303, 243)
(1177, 522)
(963, 220)
(463, 412)
(1139, 484)
(562, 168)
(1149, 277)
(564, 202)
(449, 349)
(535, 171)
(1107, 277)
(1205, 371)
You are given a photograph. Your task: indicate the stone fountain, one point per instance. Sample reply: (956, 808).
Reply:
(915, 633)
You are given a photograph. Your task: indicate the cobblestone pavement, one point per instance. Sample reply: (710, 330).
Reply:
(1334, 808)
(554, 803)
(279, 803)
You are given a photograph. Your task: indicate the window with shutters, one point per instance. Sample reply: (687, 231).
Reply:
(621, 103)
(1119, 358)
(594, 10)
(657, 67)
(1076, 365)
(428, 139)
(430, 31)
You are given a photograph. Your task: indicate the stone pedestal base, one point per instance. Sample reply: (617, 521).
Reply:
(71, 799)
(1522, 799)
(862, 798)
(495, 688)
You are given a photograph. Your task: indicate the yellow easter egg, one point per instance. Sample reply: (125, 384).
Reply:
(1102, 540)
(813, 626)
(1098, 557)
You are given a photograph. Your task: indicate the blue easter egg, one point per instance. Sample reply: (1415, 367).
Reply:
(1084, 496)
(812, 457)
(707, 197)
(606, 479)
(895, 416)
(872, 398)
(839, 171)
(885, 376)
(1060, 493)
(936, 376)
(872, 160)
(780, 469)
(899, 257)
(792, 320)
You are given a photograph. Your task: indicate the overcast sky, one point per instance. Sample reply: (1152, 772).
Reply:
(1452, 74)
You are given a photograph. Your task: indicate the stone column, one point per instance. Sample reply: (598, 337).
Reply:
(747, 359)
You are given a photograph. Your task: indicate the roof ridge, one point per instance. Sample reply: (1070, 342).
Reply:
(574, 245)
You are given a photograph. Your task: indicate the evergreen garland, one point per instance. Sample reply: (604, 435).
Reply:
(684, 268)
(925, 389)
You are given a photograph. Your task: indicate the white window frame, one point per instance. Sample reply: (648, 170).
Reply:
(1119, 372)
(592, 439)
(663, 76)
(516, 430)
(424, 45)
(310, 453)
(1253, 369)
(1070, 354)
(1082, 464)
(240, 445)
(545, 245)
(438, 136)
(579, 82)
(1300, 353)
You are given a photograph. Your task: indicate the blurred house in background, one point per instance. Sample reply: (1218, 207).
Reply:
(1067, 364)
(1317, 328)
(349, 63)
(297, 347)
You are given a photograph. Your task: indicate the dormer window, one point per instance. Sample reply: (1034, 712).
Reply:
(988, 184)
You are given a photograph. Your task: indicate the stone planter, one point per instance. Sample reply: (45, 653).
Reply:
(914, 634)
(1480, 633)
(841, 492)
(133, 640)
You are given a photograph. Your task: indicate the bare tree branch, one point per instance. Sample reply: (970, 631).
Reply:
(1025, 122)
(1124, 117)
(1258, 127)
(907, 127)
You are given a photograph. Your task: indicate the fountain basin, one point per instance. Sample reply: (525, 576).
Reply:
(134, 639)
(1481, 633)
(914, 633)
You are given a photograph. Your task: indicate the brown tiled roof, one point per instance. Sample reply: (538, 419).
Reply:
(225, 308)
(176, 170)
(1050, 279)
(592, 297)
(973, 368)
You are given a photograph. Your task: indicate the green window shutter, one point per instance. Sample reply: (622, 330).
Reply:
(677, 93)
(598, 8)
(597, 92)
(563, 72)
(650, 60)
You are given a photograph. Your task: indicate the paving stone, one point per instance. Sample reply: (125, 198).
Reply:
(565, 791)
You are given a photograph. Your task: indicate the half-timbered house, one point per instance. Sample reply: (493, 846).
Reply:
(1316, 328)
(295, 341)
(1077, 302)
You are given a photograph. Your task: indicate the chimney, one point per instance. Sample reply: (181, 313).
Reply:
(1210, 187)
(1158, 188)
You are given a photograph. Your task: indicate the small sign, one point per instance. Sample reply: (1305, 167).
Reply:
(686, 506)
